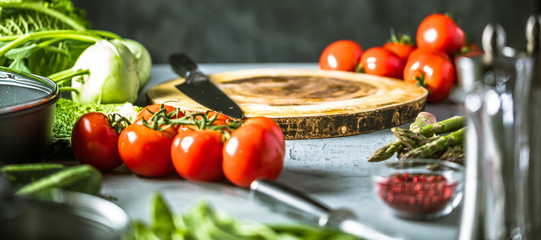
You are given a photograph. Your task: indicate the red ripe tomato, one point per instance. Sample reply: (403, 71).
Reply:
(440, 32)
(433, 70)
(382, 62)
(197, 155)
(222, 119)
(94, 142)
(145, 151)
(402, 50)
(417, 51)
(341, 55)
(268, 124)
(252, 152)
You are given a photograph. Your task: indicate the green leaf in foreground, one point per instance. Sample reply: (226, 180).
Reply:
(203, 222)
(162, 217)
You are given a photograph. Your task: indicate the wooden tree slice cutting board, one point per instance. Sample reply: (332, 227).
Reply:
(310, 103)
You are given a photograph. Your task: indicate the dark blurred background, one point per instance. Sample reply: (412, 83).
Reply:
(240, 31)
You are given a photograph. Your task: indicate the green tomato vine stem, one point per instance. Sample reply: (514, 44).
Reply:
(118, 122)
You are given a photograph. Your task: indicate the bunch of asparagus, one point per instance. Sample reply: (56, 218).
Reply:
(427, 138)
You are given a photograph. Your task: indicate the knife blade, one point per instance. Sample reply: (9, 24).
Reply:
(198, 87)
(301, 206)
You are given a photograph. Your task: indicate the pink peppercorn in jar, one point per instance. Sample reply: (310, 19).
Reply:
(419, 188)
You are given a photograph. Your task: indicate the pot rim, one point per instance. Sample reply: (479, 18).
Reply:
(16, 78)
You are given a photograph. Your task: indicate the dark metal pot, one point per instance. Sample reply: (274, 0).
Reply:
(27, 107)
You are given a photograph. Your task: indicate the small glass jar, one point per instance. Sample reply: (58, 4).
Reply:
(419, 188)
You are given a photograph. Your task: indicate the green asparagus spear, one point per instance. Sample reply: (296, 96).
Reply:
(454, 154)
(402, 154)
(409, 139)
(387, 151)
(423, 119)
(445, 126)
(439, 144)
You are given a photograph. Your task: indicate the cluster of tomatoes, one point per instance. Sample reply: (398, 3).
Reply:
(430, 63)
(200, 147)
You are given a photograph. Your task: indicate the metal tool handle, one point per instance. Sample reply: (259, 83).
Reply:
(289, 200)
(530, 131)
(533, 35)
(294, 201)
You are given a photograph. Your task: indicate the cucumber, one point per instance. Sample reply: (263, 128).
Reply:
(21, 174)
(81, 178)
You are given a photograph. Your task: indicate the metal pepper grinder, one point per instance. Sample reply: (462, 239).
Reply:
(532, 132)
(493, 206)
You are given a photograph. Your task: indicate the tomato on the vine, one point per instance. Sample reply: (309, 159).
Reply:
(197, 155)
(145, 151)
(440, 32)
(382, 62)
(253, 151)
(94, 141)
(433, 70)
(148, 111)
(341, 55)
(401, 45)
(221, 119)
(417, 51)
(268, 124)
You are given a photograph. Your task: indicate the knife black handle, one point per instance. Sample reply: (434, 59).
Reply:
(182, 64)
(289, 200)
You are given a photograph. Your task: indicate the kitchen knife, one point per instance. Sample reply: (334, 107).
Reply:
(304, 207)
(198, 87)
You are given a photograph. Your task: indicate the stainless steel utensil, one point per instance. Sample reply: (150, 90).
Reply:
(532, 132)
(198, 87)
(306, 208)
(471, 224)
(496, 86)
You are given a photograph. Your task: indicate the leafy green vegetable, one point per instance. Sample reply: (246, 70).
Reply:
(203, 222)
(24, 16)
(68, 112)
(18, 18)
(52, 38)
(163, 225)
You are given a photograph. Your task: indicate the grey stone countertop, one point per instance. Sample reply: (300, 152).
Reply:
(333, 170)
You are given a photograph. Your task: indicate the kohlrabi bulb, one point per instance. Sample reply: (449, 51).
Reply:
(142, 56)
(113, 76)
